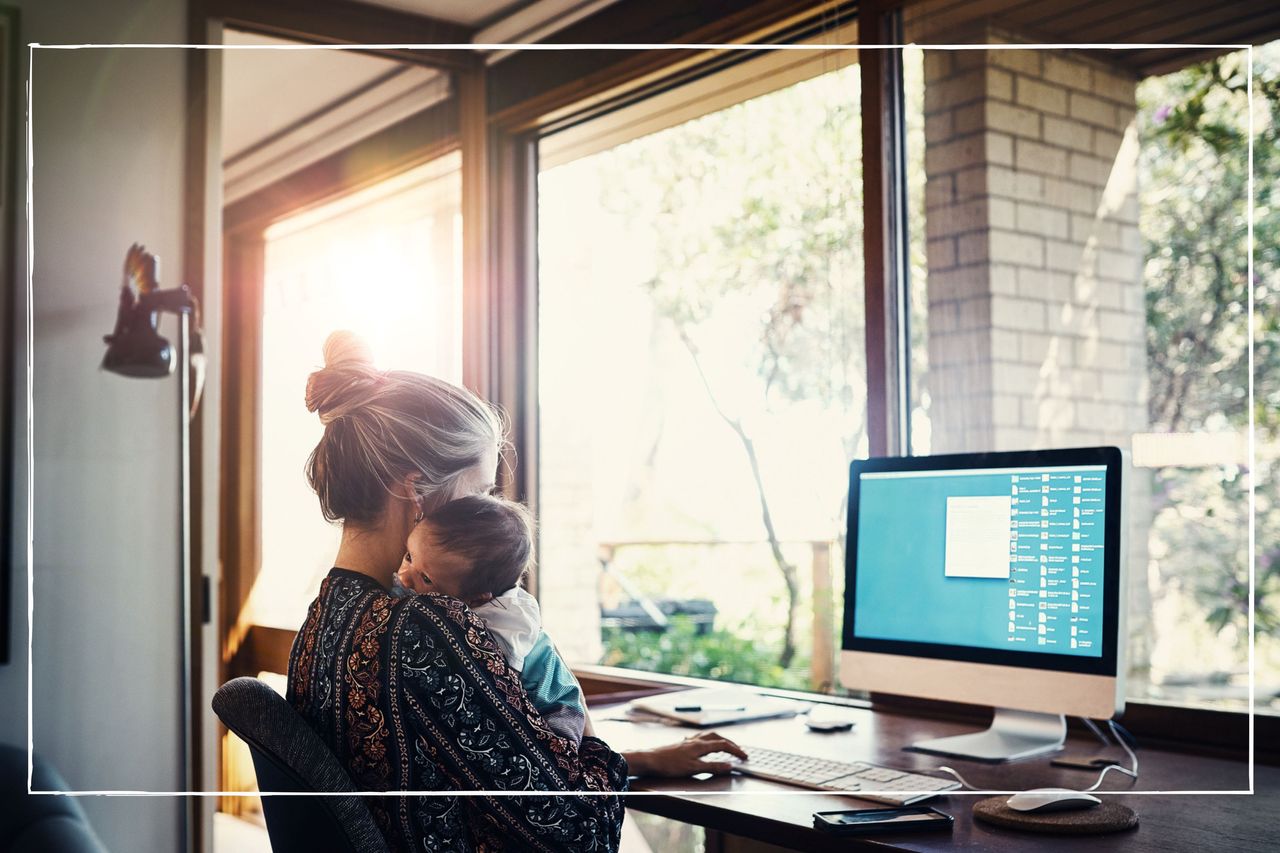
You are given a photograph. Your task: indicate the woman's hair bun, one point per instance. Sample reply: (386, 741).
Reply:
(346, 378)
(346, 348)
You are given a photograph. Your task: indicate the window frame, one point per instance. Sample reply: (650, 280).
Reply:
(499, 143)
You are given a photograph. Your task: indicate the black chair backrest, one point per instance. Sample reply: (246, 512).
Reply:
(289, 756)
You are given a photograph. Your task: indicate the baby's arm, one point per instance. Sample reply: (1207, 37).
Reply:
(554, 689)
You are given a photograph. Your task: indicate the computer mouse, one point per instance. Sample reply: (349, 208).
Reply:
(1051, 800)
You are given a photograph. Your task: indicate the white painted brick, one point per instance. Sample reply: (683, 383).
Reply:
(1118, 86)
(1019, 121)
(963, 348)
(1002, 279)
(979, 181)
(974, 314)
(937, 63)
(942, 317)
(969, 118)
(1014, 248)
(1084, 382)
(1070, 195)
(939, 190)
(972, 248)
(1034, 157)
(1021, 61)
(1106, 144)
(1119, 326)
(999, 84)
(939, 125)
(1014, 378)
(1005, 409)
(1067, 72)
(1133, 299)
(1120, 387)
(1041, 96)
(1004, 342)
(1015, 439)
(1028, 186)
(1014, 313)
(1093, 110)
(1041, 220)
(1033, 347)
(1048, 412)
(957, 218)
(1085, 227)
(941, 253)
(1067, 257)
(1033, 282)
(1109, 294)
(999, 148)
(1131, 239)
(965, 60)
(1001, 213)
(1119, 266)
(955, 154)
(1068, 133)
(953, 91)
(1088, 169)
(959, 282)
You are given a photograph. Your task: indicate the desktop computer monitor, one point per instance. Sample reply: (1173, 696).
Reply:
(993, 579)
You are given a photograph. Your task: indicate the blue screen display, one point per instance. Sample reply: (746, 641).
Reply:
(1001, 558)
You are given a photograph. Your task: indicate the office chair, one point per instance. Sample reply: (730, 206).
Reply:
(35, 824)
(289, 756)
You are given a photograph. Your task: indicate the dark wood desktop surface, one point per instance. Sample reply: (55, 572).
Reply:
(782, 815)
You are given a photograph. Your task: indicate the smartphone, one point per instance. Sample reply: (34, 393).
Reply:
(874, 821)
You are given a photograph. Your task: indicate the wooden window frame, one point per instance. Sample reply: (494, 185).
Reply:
(498, 141)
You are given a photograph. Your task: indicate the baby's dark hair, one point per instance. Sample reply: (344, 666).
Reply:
(493, 534)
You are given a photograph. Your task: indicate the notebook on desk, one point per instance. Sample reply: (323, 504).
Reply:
(716, 706)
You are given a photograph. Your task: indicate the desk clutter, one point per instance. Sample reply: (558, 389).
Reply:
(1106, 818)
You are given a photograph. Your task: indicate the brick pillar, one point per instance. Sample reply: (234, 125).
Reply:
(1036, 318)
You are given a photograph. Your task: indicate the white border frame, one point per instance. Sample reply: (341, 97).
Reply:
(30, 491)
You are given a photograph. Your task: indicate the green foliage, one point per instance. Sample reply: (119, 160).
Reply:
(728, 655)
(756, 211)
(1195, 197)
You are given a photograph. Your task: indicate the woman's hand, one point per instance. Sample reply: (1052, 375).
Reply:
(684, 758)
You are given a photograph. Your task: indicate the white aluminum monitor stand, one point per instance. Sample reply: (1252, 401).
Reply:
(1012, 735)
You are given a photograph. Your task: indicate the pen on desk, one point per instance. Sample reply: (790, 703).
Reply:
(694, 709)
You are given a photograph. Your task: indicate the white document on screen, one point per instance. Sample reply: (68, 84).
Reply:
(978, 532)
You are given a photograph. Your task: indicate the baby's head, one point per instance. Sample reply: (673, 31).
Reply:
(472, 548)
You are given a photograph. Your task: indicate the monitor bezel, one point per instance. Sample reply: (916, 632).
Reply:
(1106, 664)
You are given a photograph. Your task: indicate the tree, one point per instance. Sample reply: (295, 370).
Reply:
(758, 214)
(1194, 175)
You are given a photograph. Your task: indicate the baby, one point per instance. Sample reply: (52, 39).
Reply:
(478, 549)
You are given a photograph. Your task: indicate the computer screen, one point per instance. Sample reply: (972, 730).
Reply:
(1002, 558)
(973, 558)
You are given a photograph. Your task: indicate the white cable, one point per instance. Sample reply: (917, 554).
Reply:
(1132, 773)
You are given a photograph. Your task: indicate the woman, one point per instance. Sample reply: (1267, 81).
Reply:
(412, 694)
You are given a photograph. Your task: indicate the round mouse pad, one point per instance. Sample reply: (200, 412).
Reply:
(1108, 817)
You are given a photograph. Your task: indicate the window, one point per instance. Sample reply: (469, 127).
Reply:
(384, 263)
(1078, 277)
(701, 376)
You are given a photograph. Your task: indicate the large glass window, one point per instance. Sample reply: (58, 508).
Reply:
(1079, 277)
(701, 376)
(384, 263)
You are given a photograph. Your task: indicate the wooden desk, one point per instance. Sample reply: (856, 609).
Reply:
(761, 811)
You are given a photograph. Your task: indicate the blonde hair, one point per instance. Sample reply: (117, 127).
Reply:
(382, 426)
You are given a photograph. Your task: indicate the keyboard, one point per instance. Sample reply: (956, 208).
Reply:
(871, 781)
